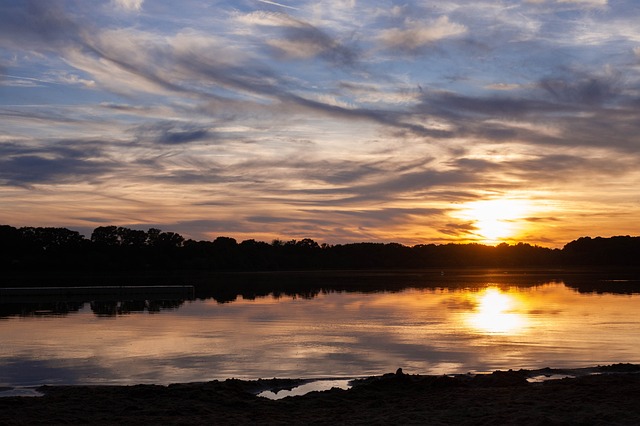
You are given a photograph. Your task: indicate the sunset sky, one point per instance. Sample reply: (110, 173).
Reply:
(342, 121)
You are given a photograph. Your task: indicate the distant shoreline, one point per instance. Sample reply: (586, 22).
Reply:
(110, 248)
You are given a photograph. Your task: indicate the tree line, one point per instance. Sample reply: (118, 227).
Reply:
(113, 248)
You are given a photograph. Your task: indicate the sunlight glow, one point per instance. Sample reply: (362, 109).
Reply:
(496, 313)
(497, 219)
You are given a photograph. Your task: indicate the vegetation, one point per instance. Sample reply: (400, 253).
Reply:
(112, 248)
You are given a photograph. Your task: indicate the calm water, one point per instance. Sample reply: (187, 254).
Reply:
(451, 327)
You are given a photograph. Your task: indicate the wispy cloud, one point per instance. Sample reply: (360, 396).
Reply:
(128, 5)
(277, 4)
(335, 120)
(415, 34)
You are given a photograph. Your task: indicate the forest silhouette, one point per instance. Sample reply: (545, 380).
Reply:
(112, 248)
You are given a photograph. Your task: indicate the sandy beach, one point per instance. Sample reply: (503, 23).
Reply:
(596, 396)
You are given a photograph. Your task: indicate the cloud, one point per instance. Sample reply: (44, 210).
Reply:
(128, 5)
(586, 91)
(578, 3)
(459, 229)
(297, 39)
(170, 133)
(17, 81)
(586, 3)
(416, 34)
(450, 105)
(273, 3)
(303, 43)
(330, 115)
(544, 168)
(377, 216)
(503, 86)
(63, 162)
(36, 25)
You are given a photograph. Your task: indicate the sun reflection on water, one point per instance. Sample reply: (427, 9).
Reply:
(497, 313)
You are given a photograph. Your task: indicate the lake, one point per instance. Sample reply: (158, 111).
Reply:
(326, 325)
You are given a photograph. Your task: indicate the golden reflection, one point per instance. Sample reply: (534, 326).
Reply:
(496, 312)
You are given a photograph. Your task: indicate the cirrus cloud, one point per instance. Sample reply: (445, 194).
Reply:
(416, 34)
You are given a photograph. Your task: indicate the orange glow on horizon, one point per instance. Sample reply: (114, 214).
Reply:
(497, 220)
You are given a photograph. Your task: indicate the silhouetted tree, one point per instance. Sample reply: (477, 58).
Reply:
(307, 244)
(618, 250)
(105, 236)
(132, 237)
(256, 255)
(152, 236)
(52, 238)
(11, 249)
(113, 248)
(169, 240)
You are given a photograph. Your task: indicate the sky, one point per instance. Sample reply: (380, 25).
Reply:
(342, 120)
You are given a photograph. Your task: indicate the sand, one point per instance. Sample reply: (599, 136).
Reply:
(607, 395)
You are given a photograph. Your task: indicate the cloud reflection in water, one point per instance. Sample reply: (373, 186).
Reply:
(335, 334)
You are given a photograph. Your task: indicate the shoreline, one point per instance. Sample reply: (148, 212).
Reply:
(286, 383)
(591, 395)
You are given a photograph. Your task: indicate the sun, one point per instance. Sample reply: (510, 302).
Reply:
(498, 219)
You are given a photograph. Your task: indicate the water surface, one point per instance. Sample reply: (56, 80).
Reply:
(459, 328)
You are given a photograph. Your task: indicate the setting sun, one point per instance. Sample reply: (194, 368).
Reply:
(495, 220)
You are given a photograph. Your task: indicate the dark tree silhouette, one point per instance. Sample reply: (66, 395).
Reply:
(105, 236)
(112, 248)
